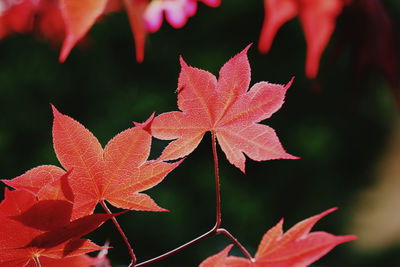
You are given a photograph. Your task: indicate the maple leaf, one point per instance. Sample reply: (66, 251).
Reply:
(225, 107)
(117, 174)
(318, 19)
(296, 247)
(29, 230)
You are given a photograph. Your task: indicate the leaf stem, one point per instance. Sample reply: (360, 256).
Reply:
(237, 243)
(215, 230)
(37, 262)
(103, 204)
(218, 195)
(178, 249)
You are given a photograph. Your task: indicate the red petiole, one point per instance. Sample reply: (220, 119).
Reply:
(215, 230)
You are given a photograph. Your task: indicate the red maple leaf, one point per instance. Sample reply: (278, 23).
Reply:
(317, 17)
(225, 107)
(296, 247)
(117, 174)
(32, 228)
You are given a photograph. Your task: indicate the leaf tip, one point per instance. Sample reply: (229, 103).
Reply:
(177, 163)
(247, 48)
(329, 211)
(68, 44)
(347, 238)
(139, 55)
(287, 86)
(292, 157)
(66, 48)
(322, 214)
(54, 109)
(146, 125)
(158, 209)
(5, 181)
(183, 63)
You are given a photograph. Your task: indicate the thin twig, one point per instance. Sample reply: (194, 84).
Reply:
(218, 195)
(178, 249)
(215, 230)
(103, 204)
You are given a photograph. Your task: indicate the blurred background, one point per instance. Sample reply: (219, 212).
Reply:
(343, 125)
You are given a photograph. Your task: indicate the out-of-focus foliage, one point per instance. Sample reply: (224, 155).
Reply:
(340, 132)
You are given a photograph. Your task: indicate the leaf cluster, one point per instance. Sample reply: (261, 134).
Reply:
(51, 208)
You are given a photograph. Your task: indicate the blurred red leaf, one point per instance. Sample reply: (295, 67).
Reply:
(16, 17)
(135, 10)
(318, 19)
(79, 17)
(70, 20)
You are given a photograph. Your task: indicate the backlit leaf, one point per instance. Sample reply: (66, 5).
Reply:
(225, 107)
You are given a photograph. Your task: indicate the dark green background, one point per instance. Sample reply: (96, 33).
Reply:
(339, 131)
